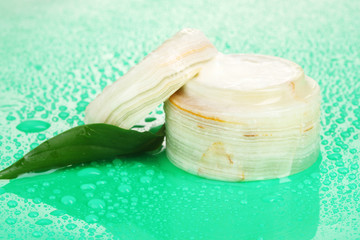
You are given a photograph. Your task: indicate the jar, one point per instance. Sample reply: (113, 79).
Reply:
(244, 117)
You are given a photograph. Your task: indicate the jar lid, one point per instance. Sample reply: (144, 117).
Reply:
(160, 74)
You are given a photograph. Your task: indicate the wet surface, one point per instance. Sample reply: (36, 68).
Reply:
(56, 56)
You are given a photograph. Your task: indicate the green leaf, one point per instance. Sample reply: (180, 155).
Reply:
(82, 144)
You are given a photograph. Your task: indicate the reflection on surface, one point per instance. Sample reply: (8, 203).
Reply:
(151, 199)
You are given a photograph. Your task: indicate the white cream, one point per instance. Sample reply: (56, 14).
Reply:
(244, 80)
(246, 72)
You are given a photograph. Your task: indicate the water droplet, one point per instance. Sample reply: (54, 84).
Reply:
(355, 166)
(33, 214)
(63, 108)
(124, 188)
(150, 172)
(307, 181)
(63, 115)
(10, 220)
(43, 222)
(41, 137)
(324, 142)
(343, 170)
(138, 126)
(89, 195)
(71, 226)
(334, 156)
(96, 203)
(352, 176)
(327, 182)
(34, 145)
(81, 106)
(12, 203)
(68, 200)
(111, 215)
(88, 172)
(316, 175)
(57, 213)
(88, 186)
(284, 180)
(38, 67)
(101, 182)
(91, 218)
(39, 108)
(31, 126)
(31, 190)
(145, 179)
(353, 151)
(10, 118)
(325, 189)
(150, 119)
(272, 198)
(37, 234)
(339, 163)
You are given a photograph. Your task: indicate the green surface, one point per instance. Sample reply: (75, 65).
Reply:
(55, 56)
